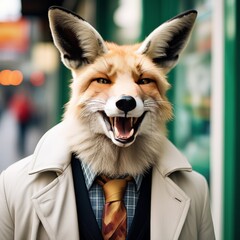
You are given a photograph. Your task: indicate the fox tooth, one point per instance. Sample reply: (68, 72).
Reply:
(111, 120)
(116, 132)
(131, 122)
(131, 133)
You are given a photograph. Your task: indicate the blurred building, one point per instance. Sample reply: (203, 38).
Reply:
(204, 84)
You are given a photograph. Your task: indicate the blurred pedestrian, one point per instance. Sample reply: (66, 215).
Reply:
(22, 108)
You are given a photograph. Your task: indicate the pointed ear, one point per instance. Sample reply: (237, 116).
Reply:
(167, 41)
(78, 42)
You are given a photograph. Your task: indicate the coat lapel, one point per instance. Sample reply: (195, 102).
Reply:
(56, 208)
(55, 203)
(169, 204)
(169, 208)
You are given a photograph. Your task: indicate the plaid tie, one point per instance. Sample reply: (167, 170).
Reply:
(114, 220)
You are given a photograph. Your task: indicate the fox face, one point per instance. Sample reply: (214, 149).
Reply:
(122, 89)
(118, 107)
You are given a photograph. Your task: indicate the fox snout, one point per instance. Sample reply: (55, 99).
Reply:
(123, 116)
(126, 104)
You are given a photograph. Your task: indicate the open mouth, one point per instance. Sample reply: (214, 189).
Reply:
(124, 128)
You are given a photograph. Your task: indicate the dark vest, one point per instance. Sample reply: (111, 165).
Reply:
(88, 226)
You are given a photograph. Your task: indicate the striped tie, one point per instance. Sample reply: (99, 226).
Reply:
(114, 220)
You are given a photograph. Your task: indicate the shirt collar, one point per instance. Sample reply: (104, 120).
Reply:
(90, 176)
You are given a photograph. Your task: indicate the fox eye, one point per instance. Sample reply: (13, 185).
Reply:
(103, 81)
(143, 81)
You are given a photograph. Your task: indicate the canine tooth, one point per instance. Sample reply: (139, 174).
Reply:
(111, 120)
(116, 132)
(131, 133)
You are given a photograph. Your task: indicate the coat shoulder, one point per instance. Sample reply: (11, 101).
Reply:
(16, 172)
(19, 165)
(16, 182)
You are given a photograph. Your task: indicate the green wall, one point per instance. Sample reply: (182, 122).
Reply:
(232, 121)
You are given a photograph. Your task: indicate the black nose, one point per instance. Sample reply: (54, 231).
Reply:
(126, 104)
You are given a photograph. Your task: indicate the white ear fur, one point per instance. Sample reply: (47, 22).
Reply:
(167, 41)
(78, 42)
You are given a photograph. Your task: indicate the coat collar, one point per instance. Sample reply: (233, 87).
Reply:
(53, 154)
(171, 159)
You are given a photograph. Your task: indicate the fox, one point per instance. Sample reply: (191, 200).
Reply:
(115, 120)
(113, 127)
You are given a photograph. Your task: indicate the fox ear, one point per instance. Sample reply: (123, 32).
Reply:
(78, 42)
(167, 41)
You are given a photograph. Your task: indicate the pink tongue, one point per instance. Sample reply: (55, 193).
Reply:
(123, 128)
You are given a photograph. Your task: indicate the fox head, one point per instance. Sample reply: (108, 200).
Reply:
(118, 108)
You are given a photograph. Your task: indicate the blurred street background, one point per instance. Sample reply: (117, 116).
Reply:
(205, 85)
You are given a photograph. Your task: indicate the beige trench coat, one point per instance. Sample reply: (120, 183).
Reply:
(37, 196)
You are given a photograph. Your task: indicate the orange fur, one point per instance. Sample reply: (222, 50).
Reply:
(124, 68)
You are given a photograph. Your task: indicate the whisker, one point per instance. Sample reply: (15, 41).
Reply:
(155, 102)
(94, 101)
(163, 101)
(92, 106)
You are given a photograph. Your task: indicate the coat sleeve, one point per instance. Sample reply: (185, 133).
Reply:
(206, 230)
(6, 221)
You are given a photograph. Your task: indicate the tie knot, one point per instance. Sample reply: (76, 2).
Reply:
(114, 189)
